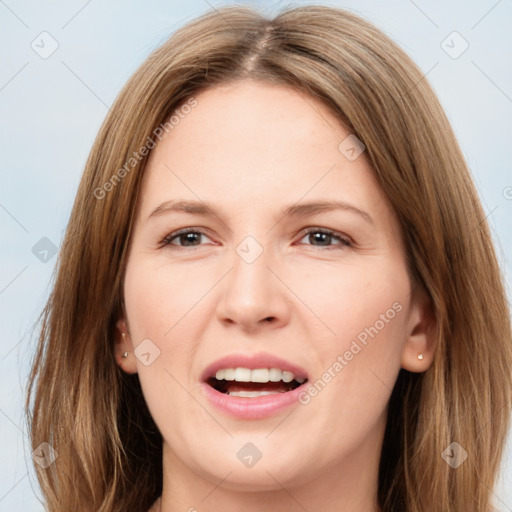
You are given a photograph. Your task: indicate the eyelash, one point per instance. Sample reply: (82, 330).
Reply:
(345, 241)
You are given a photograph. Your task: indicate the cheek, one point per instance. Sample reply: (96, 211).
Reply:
(157, 302)
(362, 308)
(352, 298)
(357, 365)
(158, 296)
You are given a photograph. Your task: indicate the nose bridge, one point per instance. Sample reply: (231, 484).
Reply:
(252, 293)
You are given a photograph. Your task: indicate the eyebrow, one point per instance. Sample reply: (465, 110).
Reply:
(293, 210)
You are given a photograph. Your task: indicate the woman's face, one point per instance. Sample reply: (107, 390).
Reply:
(250, 283)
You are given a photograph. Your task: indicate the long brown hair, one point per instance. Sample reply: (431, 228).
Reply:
(94, 415)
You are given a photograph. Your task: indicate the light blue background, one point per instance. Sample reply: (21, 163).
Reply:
(51, 110)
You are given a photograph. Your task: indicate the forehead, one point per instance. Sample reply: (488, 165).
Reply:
(268, 119)
(256, 145)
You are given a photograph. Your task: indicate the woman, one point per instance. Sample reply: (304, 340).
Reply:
(277, 289)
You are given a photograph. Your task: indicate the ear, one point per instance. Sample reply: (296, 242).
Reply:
(123, 345)
(421, 333)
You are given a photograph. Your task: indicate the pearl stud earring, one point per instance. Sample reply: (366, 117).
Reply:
(420, 356)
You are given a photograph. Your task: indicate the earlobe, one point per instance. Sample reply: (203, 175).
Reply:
(420, 344)
(123, 348)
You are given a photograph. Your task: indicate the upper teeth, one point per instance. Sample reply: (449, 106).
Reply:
(256, 375)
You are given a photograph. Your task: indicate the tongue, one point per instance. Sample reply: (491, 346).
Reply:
(256, 386)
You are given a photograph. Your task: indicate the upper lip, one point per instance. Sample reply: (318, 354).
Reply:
(252, 361)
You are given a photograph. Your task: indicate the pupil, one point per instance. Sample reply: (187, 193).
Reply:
(188, 237)
(321, 237)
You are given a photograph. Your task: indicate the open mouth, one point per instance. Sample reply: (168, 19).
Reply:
(243, 382)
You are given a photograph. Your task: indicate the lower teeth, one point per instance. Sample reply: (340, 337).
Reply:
(251, 394)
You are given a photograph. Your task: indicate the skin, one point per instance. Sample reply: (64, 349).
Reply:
(251, 149)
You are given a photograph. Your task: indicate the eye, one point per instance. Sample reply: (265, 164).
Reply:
(325, 236)
(187, 238)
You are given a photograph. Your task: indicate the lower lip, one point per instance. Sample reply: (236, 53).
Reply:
(251, 408)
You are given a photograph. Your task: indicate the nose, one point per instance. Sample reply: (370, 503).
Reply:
(253, 296)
